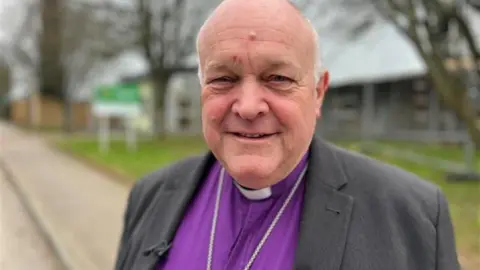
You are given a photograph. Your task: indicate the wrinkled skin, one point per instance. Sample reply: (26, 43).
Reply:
(258, 77)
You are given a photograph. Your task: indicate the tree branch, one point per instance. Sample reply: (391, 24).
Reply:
(467, 33)
(176, 42)
(391, 12)
(163, 42)
(474, 4)
(103, 7)
(146, 30)
(25, 31)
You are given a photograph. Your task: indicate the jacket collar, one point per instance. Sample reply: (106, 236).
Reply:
(326, 210)
(163, 216)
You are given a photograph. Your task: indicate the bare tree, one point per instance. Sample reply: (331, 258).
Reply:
(72, 39)
(4, 85)
(168, 31)
(17, 50)
(4, 78)
(94, 33)
(439, 30)
(18, 46)
(89, 38)
(51, 70)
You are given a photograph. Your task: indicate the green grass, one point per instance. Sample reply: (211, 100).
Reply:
(464, 198)
(449, 152)
(150, 155)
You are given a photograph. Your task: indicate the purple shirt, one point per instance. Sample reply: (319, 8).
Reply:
(240, 226)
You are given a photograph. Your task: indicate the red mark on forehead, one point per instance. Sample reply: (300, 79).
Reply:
(252, 36)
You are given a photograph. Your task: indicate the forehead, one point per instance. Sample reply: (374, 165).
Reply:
(277, 40)
(263, 43)
(266, 46)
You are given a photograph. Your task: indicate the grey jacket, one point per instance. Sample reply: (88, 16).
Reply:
(358, 214)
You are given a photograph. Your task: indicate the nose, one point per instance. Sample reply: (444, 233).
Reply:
(250, 102)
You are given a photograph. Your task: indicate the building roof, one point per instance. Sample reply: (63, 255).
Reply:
(381, 54)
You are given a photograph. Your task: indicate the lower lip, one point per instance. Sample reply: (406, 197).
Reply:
(248, 139)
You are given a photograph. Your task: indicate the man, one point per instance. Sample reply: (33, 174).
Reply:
(270, 195)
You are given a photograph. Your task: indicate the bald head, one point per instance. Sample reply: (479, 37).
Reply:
(282, 15)
(258, 68)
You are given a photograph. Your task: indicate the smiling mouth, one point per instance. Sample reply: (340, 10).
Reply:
(253, 136)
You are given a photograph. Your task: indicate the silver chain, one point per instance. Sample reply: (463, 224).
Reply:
(214, 222)
(267, 233)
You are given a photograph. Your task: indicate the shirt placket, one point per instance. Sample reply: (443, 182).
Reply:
(254, 227)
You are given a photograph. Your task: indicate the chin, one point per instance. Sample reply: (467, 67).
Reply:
(252, 171)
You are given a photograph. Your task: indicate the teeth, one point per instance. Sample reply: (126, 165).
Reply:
(251, 135)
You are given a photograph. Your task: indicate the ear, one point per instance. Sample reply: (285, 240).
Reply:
(321, 90)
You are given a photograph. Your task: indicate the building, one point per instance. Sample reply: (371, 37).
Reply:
(379, 89)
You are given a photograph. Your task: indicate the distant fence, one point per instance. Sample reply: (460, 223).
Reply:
(411, 156)
(431, 136)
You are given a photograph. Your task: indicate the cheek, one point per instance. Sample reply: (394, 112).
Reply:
(297, 115)
(214, 111)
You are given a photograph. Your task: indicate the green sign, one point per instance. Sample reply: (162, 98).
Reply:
(127, 94)
(120, 100)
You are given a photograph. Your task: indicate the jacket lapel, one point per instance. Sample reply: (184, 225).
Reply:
(165, 213)
(326, 213)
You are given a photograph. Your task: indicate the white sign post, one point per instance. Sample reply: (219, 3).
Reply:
(104, 133)
(117, 101)
(131, 135)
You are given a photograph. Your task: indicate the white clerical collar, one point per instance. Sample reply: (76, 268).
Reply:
(254, 194)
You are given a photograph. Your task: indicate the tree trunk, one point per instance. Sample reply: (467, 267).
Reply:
(51, 71)
(67, 114)
(454, 93)
(4, 89)
(161, 79)
(463, 108)
(51, 67)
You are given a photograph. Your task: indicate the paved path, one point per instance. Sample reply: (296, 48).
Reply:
(22, 244)
(80, 209)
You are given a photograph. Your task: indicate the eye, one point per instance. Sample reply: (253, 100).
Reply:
(279, 79)
(223, 79)
(279, 82)
(222, 83)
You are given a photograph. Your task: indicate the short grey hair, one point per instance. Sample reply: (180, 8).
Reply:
(318, 65)
(318, 68)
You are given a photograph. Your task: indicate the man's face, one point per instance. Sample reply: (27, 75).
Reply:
(260, 100)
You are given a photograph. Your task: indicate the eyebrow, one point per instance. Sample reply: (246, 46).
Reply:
(281, 63)
(220, 66)
(269, 64)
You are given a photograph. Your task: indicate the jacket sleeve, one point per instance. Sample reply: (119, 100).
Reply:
(446, 254)
(126, 230)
